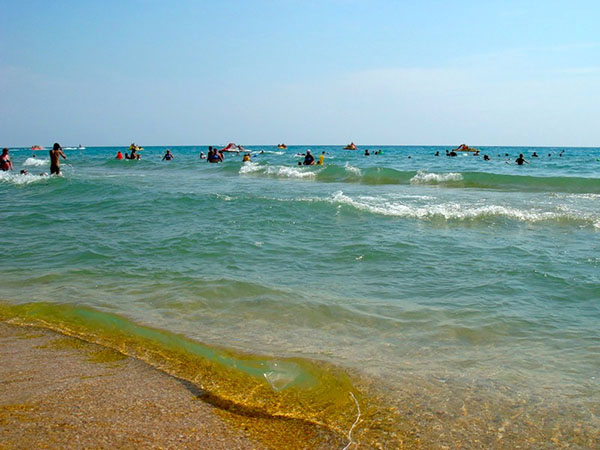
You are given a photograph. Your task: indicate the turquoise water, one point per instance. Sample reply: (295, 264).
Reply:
(450, 280)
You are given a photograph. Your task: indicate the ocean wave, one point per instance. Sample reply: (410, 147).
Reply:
(353, 170)
(332, 173)
(456, 211)
(36, 162)
(19, 179)
(423, 177)
(277, 171)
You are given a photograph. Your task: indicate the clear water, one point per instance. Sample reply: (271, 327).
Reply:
(461, 285)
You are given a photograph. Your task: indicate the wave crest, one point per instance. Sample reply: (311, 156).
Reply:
(36, 162)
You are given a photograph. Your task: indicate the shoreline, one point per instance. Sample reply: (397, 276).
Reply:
(59, 391)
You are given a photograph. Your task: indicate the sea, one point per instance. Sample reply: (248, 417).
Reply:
(401, 299)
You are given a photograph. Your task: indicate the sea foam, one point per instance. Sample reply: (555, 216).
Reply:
(36, 162)
(460, 211)
(423, 177)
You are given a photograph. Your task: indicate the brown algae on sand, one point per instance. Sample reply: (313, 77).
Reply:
(248, 385)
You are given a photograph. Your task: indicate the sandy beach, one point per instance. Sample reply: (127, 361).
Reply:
(61, 392)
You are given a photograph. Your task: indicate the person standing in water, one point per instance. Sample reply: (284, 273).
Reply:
(520, 160)
(168, 156)
(5, 162)
(55, 155)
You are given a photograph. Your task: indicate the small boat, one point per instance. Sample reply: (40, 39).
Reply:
(232, 148)
(37, 147)
(465, 148)
(351, 146)
(282, 146)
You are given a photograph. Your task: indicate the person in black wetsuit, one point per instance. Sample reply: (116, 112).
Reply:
(309, 159)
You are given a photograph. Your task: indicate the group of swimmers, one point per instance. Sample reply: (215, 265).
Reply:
(519, 161)
(133, 155)
(55, 154)
(216, 156)
(377, 152)
(309, 159)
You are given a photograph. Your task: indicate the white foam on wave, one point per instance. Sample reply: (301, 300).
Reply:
(277, 171)
(249, 167)
(264, 152)
(457, 211)
(36, 162)
(353, 170)
(423, 177)
(588, 196)
(18, 179)
(289, 172)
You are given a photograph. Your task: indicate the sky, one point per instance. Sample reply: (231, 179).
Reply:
(300, 72)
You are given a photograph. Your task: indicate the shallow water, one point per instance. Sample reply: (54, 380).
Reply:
(450, 283)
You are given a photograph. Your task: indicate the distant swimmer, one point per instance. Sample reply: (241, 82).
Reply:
(452, 153)
(486, 158)
(119, 155)
(534, 155)
(309, 159)
(321, 159)
(24, 172)
(437, 154)
(246, 157)
(133, 155)
(367, 152)
(202, 155)
(5, 162)
(55, 154)
(520, 160)
(168, 156)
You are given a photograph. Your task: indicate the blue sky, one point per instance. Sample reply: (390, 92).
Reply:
(300, 72)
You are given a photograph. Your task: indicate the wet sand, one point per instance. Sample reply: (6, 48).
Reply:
(61, 392)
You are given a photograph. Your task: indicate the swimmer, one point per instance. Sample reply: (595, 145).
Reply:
(168, 156)
(24, 172)
(486, 158)
(119, 155)
(367, 152)
(202, 155)
(133, 155)
(437, 154)
(321, 159)
(246, 157)
(520, 160)
(5, 162)
(534, 155)
(55, 154)
(309, 159)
